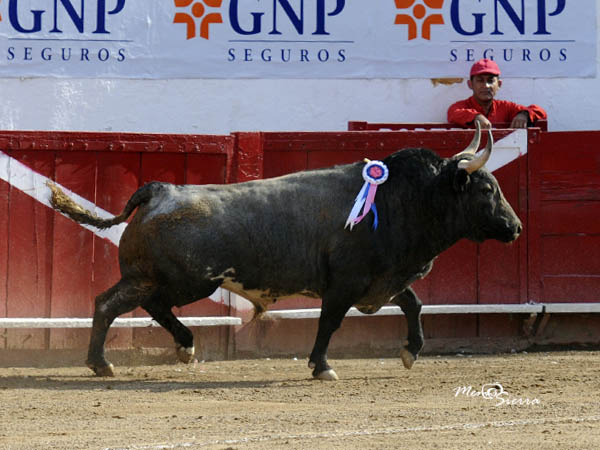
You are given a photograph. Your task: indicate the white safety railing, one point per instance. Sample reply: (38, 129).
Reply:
(312, 313)
(136, 322)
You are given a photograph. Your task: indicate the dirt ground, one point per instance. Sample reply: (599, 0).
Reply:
(268, 404)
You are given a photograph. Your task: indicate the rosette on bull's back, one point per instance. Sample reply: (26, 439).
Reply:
(374, 173)
(279, 237)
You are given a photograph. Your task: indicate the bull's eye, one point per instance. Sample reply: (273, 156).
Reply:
(487, 189)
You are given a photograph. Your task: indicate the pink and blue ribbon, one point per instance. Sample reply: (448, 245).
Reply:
(374, 174)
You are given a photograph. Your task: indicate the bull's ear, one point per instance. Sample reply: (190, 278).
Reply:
(461, 180)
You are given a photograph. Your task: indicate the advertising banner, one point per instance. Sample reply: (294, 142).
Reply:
(295, 38)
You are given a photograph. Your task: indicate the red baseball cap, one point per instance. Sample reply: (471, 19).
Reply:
(485, 66)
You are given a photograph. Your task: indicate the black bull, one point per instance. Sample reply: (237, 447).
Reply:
(273, 238)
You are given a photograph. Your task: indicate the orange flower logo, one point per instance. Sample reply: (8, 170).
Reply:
(418, 13)
(197, 11)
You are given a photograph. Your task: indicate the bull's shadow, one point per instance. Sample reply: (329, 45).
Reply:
(149, 384)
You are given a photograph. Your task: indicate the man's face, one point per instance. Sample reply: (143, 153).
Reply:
(484, 87)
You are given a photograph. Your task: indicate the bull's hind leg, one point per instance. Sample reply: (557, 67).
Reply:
(411, 307)
(184, 339)
(123, 297)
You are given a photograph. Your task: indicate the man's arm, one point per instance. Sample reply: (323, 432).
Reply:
(462, 114)
(523, 116)
(536, 112)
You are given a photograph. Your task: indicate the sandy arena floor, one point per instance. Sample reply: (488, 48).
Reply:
(269, 404)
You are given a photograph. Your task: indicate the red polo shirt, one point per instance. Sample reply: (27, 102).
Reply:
(463, 113)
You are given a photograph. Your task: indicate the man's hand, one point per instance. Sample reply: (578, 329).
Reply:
(520, 120)
(484, 123)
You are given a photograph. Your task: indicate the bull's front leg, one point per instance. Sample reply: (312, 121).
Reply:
(330, 320)
(410, 304)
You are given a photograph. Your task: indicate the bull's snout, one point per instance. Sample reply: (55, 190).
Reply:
(514, 230)
(519, 228)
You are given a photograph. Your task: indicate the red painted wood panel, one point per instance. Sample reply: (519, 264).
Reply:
(248, 157)
(571, 254)
(281, 163)
(317, 160)
(571, 289)
(453, 278)
(163, 167)
(580, 185)
(423, 289)
(206, 169)
(565, 236)
(555, 190)
(579, 217)
(569, 151)
(50, 266)
(73, 252)
(29, 255)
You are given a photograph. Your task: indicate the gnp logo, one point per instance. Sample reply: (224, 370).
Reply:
(495, 29)
(268, 31)
(474, 17)
(198, 15)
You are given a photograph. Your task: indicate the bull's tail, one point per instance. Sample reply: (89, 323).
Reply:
(63, 203)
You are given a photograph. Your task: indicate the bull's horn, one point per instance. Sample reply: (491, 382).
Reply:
(474, 145)
(477, 163)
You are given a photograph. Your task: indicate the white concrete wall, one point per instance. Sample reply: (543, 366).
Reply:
(223, 106)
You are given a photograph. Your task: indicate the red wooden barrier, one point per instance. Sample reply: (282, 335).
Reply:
(51, 266)
(393, 126)
(564, 217)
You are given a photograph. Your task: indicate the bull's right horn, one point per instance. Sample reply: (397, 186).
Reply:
(474, 145)
(477, 163)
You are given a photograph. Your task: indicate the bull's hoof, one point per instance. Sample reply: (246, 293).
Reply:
(103, 371)
(327, 375)
(408, 359)
(185, 354)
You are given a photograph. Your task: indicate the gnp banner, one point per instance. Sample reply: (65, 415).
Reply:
(295, 38)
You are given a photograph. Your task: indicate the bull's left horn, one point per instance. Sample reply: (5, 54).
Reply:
(478, 162)
(474, 145)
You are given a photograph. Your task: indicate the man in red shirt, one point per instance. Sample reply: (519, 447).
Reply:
(481, 107)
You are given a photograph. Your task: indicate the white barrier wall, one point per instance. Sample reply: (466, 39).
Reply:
(218, 106)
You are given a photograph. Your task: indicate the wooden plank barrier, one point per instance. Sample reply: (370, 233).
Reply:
(52, 268)
(393, 126)
(564, 216)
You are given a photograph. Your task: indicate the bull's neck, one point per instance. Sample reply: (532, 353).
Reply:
(426, 221)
